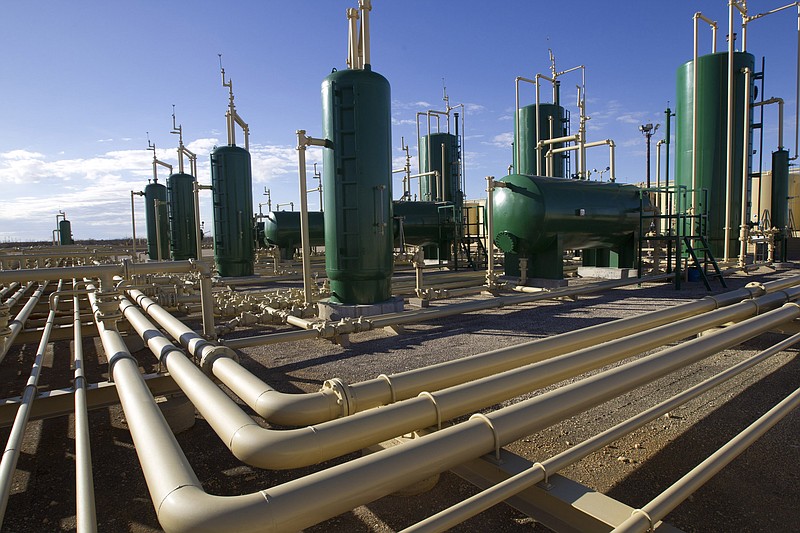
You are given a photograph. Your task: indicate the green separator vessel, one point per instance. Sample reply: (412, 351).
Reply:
(712, 138)
(232, 185)
(182, 222)
(537, 218)
(357, 179)
(155, 201)
(65, 232)
(525, 138)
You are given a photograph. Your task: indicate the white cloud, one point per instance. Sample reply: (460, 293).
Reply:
(502, 140)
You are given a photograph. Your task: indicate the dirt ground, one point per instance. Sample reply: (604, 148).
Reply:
(759, 491)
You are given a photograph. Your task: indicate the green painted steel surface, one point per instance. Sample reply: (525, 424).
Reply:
(780, 189)
(182, 222)
(425, 223)
(231, 180)
(65, 233)
(532, 212)
(282, 229)
(430, 159)
(526, 139)
(357, 179)
(712, 124)
(152, 193)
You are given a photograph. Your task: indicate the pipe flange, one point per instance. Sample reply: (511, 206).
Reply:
(342, 391)
(4, 316)
(210, 356)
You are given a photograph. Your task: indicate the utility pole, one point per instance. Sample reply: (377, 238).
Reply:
(648, 130)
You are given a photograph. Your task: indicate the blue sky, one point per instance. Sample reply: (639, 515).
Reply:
(84, 81)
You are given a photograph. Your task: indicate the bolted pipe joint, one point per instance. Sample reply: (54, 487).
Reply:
(209, 356)
(344, 397)
(107, 308)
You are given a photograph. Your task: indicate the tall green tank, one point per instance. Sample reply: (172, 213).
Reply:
(65, 232)
(232, 195)
(430, 159)
(156, 192)
(182, 222)
(525, 138)
(537, 218)
(712, 135)
(357, 179)
(780, 201)
(282, 229)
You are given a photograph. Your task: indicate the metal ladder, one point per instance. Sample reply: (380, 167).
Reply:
(708, 258)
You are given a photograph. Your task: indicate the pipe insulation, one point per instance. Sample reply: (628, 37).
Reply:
(538, 472)
(8, 464)
(267, 448)
(326, 404)
(16, 325)
(182, 505)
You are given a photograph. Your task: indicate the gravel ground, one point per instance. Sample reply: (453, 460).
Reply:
(759, 491)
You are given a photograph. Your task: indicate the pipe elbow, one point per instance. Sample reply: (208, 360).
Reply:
(274, 449)
(297, 409)
(189, 509)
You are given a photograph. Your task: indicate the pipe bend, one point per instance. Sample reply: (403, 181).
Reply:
(276, 450)
(189, 509)
(297, 409)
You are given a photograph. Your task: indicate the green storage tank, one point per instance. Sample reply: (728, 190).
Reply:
(780, 201)
(538, 218)
(155, 201)
(712, 135)
(282, 229)
(182, 222)
(431, 150)
(232, 195)
(65, 233)
(525, 138)
(357, 179)
(426, 223)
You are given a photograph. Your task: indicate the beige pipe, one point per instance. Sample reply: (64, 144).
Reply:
(538, 472)
(293, 409)
(85, 513)
(16, 325)
(301, 447)
(644, 519)
(182, 505)
(14, 445)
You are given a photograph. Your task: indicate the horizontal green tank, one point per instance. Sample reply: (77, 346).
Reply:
(65, 233)
(424, 223)
(357, 179)
(182, 222)
(232, 195)
(156, 193)
(282, 229)
(538, 218)
(525, 138)
(712, 139)
(430, 159)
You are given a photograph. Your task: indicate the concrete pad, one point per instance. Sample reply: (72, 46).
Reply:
(606, 272)
(334, 311)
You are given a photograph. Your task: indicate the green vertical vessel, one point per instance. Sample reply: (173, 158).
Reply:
(525, 138)
(780, 201)
(712, 138)
(182, 222)
(357, 179)
(232, 188)
(430, 159)
(155, 201)
(65, 232)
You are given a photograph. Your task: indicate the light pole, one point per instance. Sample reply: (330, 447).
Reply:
(648, 130)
